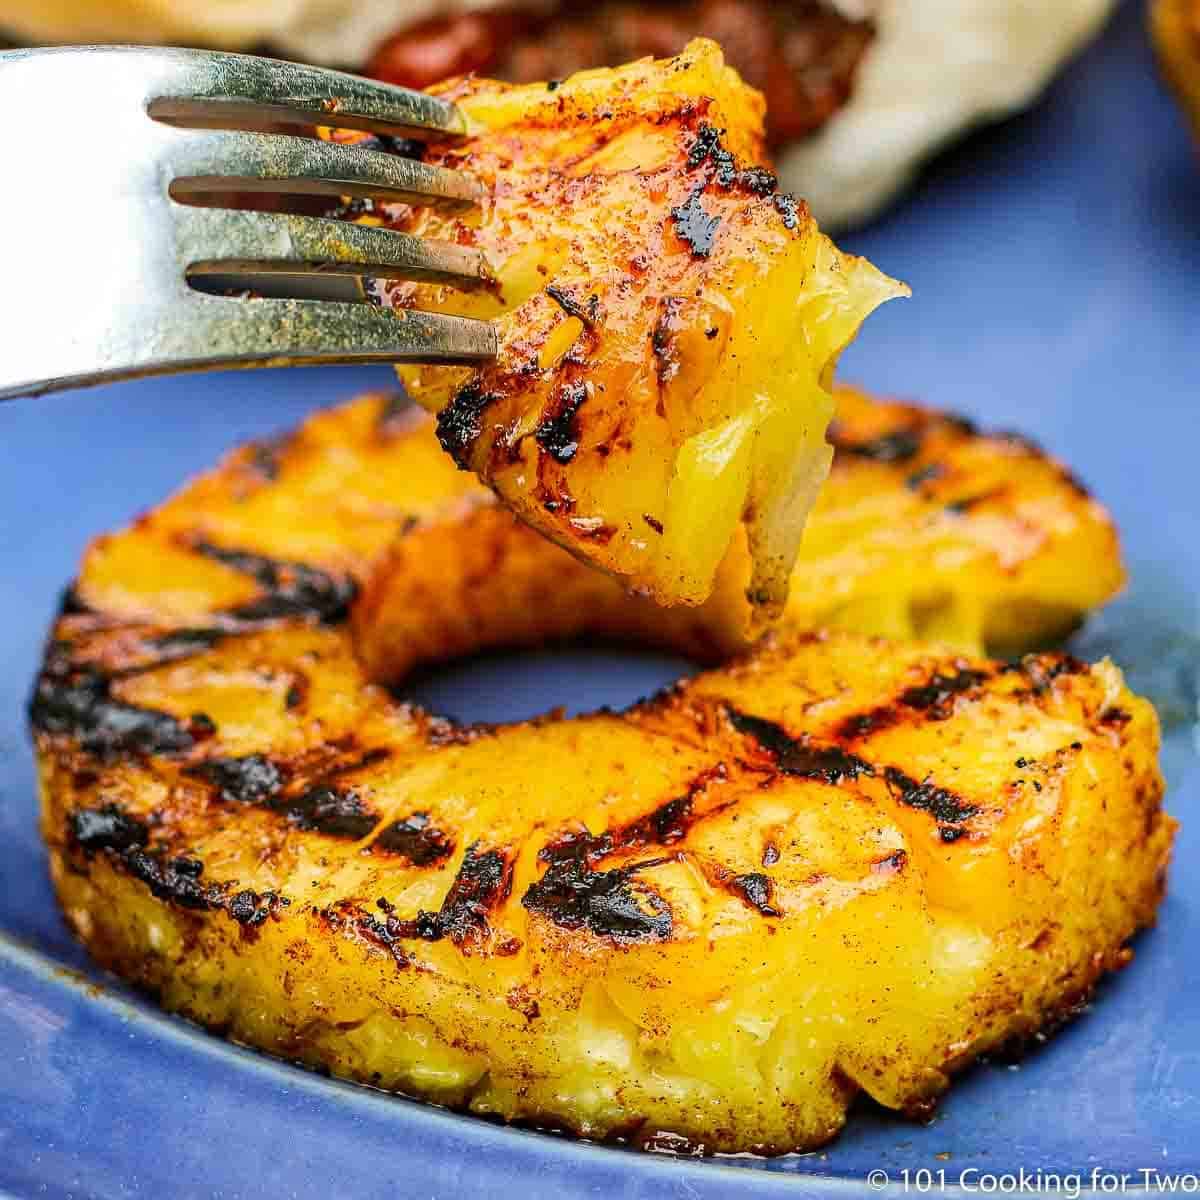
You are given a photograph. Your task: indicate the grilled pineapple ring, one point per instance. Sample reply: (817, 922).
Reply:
(836, 865)
(668, 322)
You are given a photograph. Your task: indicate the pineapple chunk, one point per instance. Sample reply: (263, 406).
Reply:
(668, 321)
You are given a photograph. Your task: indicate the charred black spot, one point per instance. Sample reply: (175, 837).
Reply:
(756, 890)
(574, 895)
(177, 644)
(106, 828)
(71, 604)
(291, 590)
(174, 879)
(251, 779)
(695, 226)
(653, 522)
(588, 313)
(1110, 716)
(788, 208)
(558, 433)
(250, 909)
(965, 504)
(936, 698)
(1043, 669)
(264, 458)
(770, 854)
(387, 934)
(415, 839)
(326, 810)
(796, 756)
(707, 147)
(483, 881)
(927, 474)
(387, 143)
(78, 703)
(460, 423)
(944, 806)
(901, 445)
(666, 824)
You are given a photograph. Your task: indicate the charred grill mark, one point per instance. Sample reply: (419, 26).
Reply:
(251, 779)
(797, 756)
(460, 423)
(707, 148)
(108, 827)
(695, 226)
(653, 522)
(965, 504)
(291, 589)
(416, 839)
(927, 474)
(934, 699)
(1041, 670)
(264, 458)
(574, 895)
(176, 880)
(71, 604)
(946, 808)
(898, 446)
(178, 644)
(250, 908)
(558, 433)
(323, 809)
(588, 313)
(756, 890)
(78, 702)
(483, 881)
(788, 208)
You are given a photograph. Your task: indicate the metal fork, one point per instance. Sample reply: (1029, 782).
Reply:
(100, 147)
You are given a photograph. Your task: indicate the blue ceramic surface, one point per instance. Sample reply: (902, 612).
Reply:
(1055, 264)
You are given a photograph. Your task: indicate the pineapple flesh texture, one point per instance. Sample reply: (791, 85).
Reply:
(838, 865)
(668, 322)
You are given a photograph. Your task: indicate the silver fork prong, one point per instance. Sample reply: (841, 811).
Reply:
(219, 161)
(220, 241)
(240, 90)
(272, 332)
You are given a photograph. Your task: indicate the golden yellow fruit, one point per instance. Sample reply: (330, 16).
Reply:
(668, 321)
(838, 864)
(1175, 26)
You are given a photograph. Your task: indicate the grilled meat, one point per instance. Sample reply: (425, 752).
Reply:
(838, 864)
(802, 55)
(668, 322)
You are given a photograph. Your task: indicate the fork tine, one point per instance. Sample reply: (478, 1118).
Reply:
(232, 89)
(205, 161)
(225, 240)
(277, 332)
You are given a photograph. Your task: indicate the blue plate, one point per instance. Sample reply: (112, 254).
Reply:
(1055, 263)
